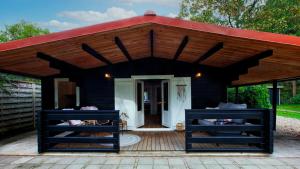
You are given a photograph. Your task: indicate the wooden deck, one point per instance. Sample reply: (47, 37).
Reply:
(158, 141)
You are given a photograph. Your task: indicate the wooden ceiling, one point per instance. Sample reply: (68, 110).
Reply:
(197, 40)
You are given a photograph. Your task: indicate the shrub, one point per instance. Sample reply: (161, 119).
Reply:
(295, 99)
(254, 96)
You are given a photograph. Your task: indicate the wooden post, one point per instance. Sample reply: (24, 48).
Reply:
(274, 102)
(237, 94)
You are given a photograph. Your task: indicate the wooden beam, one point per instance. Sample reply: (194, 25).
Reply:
(242, 66)
(274, 103)
(94, 53)
(210, 52)
(182, 45)
(151, 36)
(120, 44)
(58, 64)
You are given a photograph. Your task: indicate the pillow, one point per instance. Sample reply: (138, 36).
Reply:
(74, 122)
(205, 122)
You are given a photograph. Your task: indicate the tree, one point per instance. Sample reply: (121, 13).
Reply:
(16, 31)
(21, 30)
(277, 16)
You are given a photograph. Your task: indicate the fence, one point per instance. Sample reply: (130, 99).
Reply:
(255, 135)
(55, 136)
(18, 103)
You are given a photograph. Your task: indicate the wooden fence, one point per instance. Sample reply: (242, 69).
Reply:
(56, 135)
(18, 103)
(253, 135)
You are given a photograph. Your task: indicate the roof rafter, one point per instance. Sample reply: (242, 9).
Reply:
(58, 64)
(94, 53)
(182, 45)
(120, 44)
(210, 52)
(242, 66)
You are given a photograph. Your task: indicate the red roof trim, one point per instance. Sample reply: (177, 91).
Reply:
(139, 20)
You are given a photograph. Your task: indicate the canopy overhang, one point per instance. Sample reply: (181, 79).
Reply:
(254, 56)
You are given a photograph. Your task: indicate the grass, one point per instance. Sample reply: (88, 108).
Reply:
(291, 111)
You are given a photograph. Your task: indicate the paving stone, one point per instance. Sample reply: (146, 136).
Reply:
(249, 167)
(59, 166)
(66, 160)
(194, 166)
(126, 167)
(28, 166)
(44, 166)
(82, 160)
(51, 160)
(113, 160)
(284, 167)
(112, 166)
(242, 161)
(226, 161)
(178, 167)
(37, 160)
(144, 167)
(76, 166)
(213, 166)
(128, 161)
(8, 160)
(206, 161)
(93, 167)
(193, 160)
(161, 161)
(146, 161)
(230, 166)
(22, 160)
(176, 161)
(97, 160)
(161, 167)
(8, 166)
(271, 161)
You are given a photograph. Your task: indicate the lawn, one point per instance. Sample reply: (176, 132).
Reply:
(292, 111)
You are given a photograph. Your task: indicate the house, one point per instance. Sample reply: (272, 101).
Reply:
(151, 67)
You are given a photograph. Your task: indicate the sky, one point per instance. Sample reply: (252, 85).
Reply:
(59, 15)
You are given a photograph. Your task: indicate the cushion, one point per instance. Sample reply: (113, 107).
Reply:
(234, 106)
(74, 122)
(205, 122)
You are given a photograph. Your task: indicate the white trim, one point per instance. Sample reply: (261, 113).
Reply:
(147, 77)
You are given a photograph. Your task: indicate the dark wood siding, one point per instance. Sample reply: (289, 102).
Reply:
(208, 90)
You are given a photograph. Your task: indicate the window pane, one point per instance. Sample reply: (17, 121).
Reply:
(166, 96)
(139, 96)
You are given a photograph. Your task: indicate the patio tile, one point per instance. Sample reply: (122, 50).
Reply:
(93, 167)
(59, 166)
(8, 160)
(128, 161)
(113, 160)
(161, 161)
(66, 160)
(179, 167)
(82, 160)
(27, 166)
(44, 166)
(211, 161)
(271, 161)
(126, 167)
(8, 166)
(193, 160)
(213, 166)
(250, 167)
(37, 160)
(191, 166)
(230, 166)
(176, 161)
(161, 167)
(284, 167)
(146, 161)
(97, 160)
(22, 160)
(144, 167)
(75, 166)
(242, 161)
(226, 161)
(51, 160)
(111, 166)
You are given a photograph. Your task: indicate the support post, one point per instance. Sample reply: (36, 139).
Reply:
(236, 94)
(274, 102)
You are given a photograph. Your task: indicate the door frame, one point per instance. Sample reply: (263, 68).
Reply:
(165, 121)
(151, 77)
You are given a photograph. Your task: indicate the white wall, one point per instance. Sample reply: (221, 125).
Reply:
(125, 99)
(178, 105)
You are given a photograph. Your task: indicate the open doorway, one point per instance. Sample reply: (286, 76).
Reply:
(153, 103)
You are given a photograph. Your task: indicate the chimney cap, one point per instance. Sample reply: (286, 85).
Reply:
(149, 13)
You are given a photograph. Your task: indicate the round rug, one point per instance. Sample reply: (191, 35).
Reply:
(126, 140)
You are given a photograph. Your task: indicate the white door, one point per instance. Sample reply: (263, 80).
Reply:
(165, 98)
(140, 103)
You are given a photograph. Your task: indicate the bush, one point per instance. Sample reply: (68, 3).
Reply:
(295, 99)
(254, 96)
